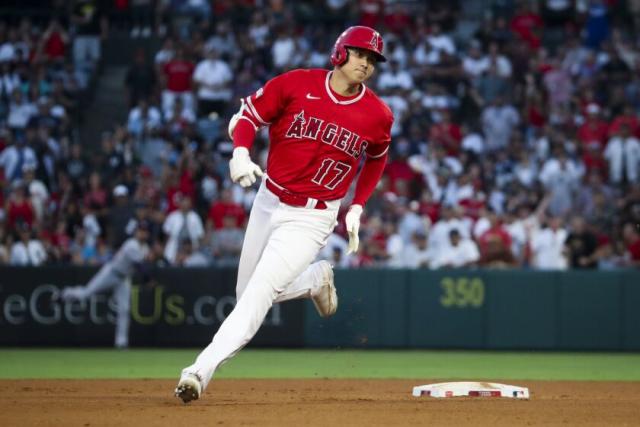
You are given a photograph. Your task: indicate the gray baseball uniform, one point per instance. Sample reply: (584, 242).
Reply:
(114, 275)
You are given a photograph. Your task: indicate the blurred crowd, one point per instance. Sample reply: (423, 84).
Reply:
(515, 142)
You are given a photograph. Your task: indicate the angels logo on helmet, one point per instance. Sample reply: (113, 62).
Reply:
(374, 41)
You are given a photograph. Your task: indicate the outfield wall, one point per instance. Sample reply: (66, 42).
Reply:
(483, 309)
(183, 308)
(378, 308)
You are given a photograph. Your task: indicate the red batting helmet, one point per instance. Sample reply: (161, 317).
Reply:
(360, 37)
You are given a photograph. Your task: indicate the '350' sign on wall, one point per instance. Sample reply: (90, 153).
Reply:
(462, 292)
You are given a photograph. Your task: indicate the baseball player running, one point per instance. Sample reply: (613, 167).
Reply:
(116, 275)
(321, 123)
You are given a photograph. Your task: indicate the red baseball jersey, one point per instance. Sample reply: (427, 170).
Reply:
(316, 136)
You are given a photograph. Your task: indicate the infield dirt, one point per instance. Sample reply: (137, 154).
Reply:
(309, 403)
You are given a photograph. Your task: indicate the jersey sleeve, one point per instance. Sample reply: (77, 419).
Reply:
(263, 106)
(380, 146)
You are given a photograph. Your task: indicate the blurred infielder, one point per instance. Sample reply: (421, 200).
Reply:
(321, 123)
(116, 275)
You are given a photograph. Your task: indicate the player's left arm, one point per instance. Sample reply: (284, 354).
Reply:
(374, 164)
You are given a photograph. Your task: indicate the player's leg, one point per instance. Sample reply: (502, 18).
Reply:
(301, 287)
(122, 296)
(256, 235)
(309, 283)
(316, 283)
(105, 279)
(296, 240)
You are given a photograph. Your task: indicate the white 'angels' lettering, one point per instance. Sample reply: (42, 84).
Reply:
(343, 139)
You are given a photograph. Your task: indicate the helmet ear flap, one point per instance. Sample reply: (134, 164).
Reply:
(346, 56)
(340, 55)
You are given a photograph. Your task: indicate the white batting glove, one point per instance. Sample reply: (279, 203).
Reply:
(352, 221)
(242, 170)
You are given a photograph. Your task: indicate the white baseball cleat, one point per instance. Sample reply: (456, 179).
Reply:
(189, 388)
(325, 297)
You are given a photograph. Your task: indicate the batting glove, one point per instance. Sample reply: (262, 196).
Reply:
(352, 221)
(242, 170)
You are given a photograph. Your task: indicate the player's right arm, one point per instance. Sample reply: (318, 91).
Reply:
(256, 111)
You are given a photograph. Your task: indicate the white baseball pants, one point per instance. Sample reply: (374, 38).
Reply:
(105, 280)
(280, 244)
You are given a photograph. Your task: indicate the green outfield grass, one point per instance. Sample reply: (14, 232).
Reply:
(158, 363)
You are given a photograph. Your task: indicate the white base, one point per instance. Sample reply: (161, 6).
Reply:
(471, 389)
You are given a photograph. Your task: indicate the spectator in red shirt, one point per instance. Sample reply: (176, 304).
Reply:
(178, 74)
(225, 207)
(60, 242)
(179, 182)
(527, 24)
(18, 208)
(3, 187)
(370, 12)
(172, 190)
(594, 161)
(376, 241)
(399, 170)
(446, 134)
(96, 195)
(397, 18)
(147, 190)
(495, 244)
(631, 237)
(429, 207)
(594, 130)
(535, 113)
(627, 117)
(187, 180)
(364, 257)
(474, 205)
(54, 41)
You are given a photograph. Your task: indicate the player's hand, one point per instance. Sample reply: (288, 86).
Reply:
(242, 170)
(352, 221)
